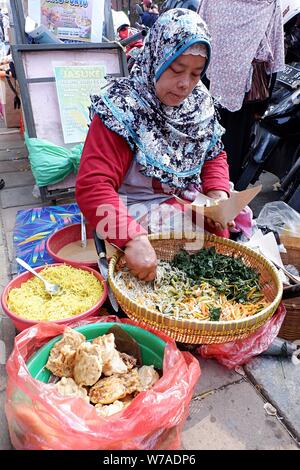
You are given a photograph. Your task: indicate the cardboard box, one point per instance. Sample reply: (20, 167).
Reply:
(11, 116)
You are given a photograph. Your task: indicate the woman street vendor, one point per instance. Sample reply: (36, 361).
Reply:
(153, 135)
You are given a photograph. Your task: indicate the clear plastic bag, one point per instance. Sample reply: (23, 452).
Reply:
(39, 418)
(239, 352)
(36, 192)
(280, 217)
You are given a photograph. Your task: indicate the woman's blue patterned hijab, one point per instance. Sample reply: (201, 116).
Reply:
(171, 143)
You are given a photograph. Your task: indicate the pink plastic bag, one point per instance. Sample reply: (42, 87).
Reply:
(39, 418)
(244, 222)
(237, 353)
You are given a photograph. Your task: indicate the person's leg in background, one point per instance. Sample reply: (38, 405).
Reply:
(238, 125)
(237, 137)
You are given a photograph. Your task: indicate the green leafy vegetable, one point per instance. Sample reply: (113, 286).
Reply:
(215, 313)
(228, 274)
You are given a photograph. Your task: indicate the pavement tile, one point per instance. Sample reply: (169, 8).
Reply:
(8, 130)
(7, 336)
(13, 154)
(4, 280)
(233, 419)
(213, 376)
(14, 165)
(9, 215)
(18, 196)
(13, 179)
(279, 380)
(4, 266)
(7, 333)
(10, 246)
(11, 140)
(3, 375)
(5, 443)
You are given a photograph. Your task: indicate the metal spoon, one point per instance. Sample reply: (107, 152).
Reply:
(83, 232)
(295, 279)
(52, 289)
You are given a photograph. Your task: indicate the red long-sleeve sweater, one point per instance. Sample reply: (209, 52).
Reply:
(104, 163)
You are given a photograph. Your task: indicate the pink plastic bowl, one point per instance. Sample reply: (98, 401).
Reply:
(64, 236)
(22, 323)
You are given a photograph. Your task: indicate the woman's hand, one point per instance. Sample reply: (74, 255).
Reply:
(141, 258)
(218, 194)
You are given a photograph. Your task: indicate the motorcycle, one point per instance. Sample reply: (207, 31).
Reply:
(275, 140)
(275, 144)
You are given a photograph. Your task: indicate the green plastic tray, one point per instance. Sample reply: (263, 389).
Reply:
(152, 347)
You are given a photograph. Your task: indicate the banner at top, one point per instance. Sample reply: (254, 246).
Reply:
(70, 20)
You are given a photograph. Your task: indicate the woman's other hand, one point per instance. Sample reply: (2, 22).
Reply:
(141, 258)
(218, 194)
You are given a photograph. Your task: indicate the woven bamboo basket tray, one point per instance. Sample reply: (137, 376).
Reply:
(196, 331)
(290, 328)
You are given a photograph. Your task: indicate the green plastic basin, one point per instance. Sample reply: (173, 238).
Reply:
(152, 347)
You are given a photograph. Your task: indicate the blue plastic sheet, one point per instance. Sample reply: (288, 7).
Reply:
(34, 226)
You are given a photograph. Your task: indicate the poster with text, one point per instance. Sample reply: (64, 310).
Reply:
(74, 86)
(71, 20)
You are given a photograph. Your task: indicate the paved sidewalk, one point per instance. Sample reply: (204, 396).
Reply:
(15, 170)
(227, 410)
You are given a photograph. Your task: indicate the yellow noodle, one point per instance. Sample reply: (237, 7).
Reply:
(81, 290)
